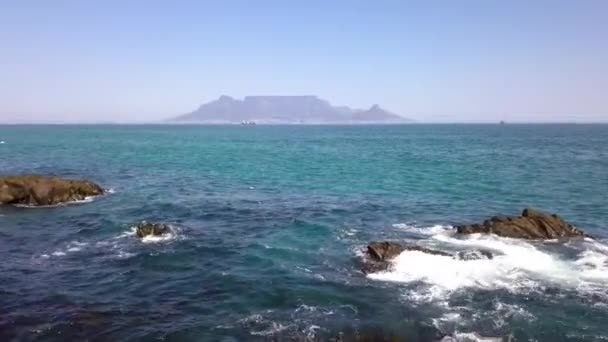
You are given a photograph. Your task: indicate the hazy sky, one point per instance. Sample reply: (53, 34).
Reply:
(433, 61)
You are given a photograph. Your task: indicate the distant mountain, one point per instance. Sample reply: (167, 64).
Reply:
(284, 109)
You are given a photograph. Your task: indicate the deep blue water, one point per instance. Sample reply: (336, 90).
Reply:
(269, 223)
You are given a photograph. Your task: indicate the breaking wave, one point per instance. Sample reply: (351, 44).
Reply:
(425, 231)
(516, 266)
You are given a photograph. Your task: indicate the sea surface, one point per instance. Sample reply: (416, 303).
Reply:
(269, 224)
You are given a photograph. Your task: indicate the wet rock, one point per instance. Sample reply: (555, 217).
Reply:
(384, 251)
(154, 229)
(36, 190)
(379, 254)
(474, 255)
(532, 224)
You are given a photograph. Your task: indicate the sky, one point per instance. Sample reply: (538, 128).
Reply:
(433, 61)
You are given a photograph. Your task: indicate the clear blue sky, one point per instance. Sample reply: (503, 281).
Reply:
(486, 60)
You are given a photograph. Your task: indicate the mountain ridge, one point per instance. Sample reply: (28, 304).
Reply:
(285, 109)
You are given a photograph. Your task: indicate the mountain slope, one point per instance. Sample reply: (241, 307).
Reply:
(284, 109)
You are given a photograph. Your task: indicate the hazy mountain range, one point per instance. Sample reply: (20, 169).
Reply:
(285, 109)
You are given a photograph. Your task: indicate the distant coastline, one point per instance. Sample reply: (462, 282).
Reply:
(301, 109)
(176, 123)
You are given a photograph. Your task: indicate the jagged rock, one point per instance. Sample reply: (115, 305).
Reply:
(532, 224)
(384, 251)
(36, 190)
(155, 229)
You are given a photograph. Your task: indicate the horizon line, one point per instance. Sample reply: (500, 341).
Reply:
(165, 123)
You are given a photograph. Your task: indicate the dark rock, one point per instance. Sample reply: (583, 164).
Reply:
(381, 253)
(154, 229)
(384, 251)
(427, 250)
(41, 190)
(532, 224)
(474, 255)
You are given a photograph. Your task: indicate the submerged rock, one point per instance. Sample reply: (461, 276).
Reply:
(532, 224)
(154, 229)
(36, 190)
(474, 255)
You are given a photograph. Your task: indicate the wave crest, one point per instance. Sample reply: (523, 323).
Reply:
(517, 265)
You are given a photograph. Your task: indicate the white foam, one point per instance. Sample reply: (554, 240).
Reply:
(87, 199)
(350, 232)
(517, 265)
(173, 234)
(71, 247)
(311, 332)
(450, 317)
(118, 245)
(271, 330)
(2, 142)
(124, 255)
(305, 308)
(131, 232)
(470, 337)
(427, 231)
(504, 310)
(268, 327)
(593, 264)
(159, 238)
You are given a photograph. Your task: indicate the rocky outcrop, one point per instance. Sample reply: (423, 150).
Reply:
(379, 254)
(532, 224)
(152, 229)
(385, 251)
(35, 190)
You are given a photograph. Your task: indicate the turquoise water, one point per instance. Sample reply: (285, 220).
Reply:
(270, 221)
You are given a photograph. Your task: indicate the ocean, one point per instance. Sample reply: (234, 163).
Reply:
(270, 224)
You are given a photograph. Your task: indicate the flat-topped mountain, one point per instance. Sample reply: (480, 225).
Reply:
(285, 109)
